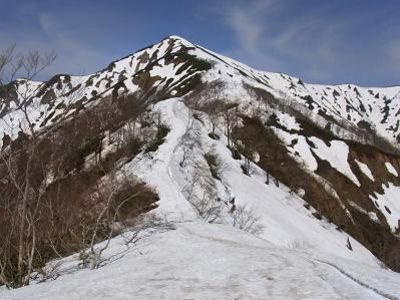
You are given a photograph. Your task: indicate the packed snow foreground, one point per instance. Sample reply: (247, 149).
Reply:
(203, 261)
(291, 255)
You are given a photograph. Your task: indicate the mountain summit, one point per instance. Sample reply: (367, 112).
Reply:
(265, 172)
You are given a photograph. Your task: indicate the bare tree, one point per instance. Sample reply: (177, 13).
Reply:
(200, 192)
(39, 165)
(231, 121)
(113, 197)
(20, 167)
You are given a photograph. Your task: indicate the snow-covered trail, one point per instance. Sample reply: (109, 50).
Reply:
(160, 170)
(357, 281)
(203, 261)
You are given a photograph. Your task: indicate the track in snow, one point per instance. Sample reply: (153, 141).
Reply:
(360, 283)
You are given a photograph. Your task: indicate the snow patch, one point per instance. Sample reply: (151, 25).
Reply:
(391, 169)
(337, 155)
(364, 168)
(299, 148)
(389, 204)
(288, 121)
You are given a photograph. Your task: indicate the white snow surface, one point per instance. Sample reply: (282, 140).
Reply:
(160, 170)
(336, 154)
(299, 148)
(389, 204)
(286, 220)
(288, 121)
(364, 168)
(211, 261)
(391, 169)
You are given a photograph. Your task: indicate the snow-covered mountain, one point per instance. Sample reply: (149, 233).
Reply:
(310, 171)
(169, 66)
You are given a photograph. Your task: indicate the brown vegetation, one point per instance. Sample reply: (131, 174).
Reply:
(63, 202)
(52, 202)
(276, 160)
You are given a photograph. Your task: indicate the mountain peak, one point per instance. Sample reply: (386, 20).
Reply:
(177, 37)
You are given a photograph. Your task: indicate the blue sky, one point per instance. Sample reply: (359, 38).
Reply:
(331, 41)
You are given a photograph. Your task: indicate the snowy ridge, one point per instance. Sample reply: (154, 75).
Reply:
(373, 109)
(161, 168)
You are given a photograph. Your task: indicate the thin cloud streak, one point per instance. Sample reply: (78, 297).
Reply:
(320, 41)
(309, 43)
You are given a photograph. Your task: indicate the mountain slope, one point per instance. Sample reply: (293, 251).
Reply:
(315, 167)
(173, 64)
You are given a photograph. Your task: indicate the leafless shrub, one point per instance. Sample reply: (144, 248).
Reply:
(207, 209)
(301, 245)
(116, 199)
(22, 205)
(200, 192)
(216, 165)
(44, 181)
(141, 227)
(189, 141)
(245, 219)
(50, 272)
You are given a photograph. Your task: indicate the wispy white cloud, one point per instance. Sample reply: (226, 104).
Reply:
(82, 39)
(74, 46)
(314, 42)
(393, 51)
(255, 27)
(250, 33)
(320, 41)
(246, 25)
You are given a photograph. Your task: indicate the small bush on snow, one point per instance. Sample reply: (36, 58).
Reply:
(245, 219)
(215, 164)
(235, 153)
(162, 131)
(245, 168)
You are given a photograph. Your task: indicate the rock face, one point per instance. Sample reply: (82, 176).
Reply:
(333, 150)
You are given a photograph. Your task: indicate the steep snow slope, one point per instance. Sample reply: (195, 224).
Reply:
(285, 219)
(160, 169)
(202, 261)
